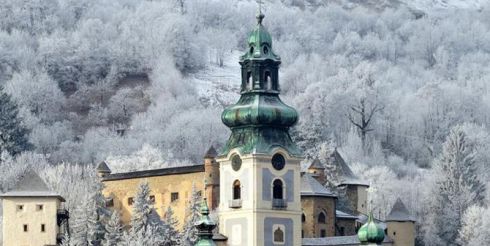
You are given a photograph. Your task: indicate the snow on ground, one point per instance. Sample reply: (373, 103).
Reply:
(445, 4)
(219, 86)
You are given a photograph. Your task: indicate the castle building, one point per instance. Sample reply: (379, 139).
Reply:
(33, 215)
(400, 225)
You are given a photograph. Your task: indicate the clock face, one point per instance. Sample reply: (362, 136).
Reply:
(236, 162)
(278, 161)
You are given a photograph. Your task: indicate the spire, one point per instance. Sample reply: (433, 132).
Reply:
(260, 121)
(211, 153)
(260, 16)
(205, 226)
(371, 233)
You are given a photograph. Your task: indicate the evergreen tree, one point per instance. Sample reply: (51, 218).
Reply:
(142, 209)
(457, 187)
(189, 232)
(13, 136)
(84, 223)
(114, 228)
(172, 235)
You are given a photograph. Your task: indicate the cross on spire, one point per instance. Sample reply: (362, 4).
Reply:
(260, 16)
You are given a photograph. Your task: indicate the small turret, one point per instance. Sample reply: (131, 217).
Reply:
(103, 170)
(371, 233)
(400, 225)
(205, 226)
(211, 169)
(317, 170)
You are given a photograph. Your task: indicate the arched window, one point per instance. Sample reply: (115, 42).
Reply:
(322, 218)
(303, 218)
(278, 235)
(277, 189)
(268, 80)
(249, 81)
(237, 190)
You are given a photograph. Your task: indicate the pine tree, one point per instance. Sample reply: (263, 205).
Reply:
(142, 209)
(189, 233)
(13, 136)
(172, 235)
(114, 230)
(457, 187)
(84, 223)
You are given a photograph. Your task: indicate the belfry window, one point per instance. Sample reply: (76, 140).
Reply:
(278, 235)
(237, 190)
(268, 80)
(303, 218)
(277, 189)
(249, 81)
(322, 219)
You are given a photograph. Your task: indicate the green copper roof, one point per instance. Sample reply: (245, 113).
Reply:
(260, 121)
(260, 43)
(371, 232)
(205, 226)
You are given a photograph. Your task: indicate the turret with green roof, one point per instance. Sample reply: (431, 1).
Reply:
(260, 121)
(205, 226)
(371, 233)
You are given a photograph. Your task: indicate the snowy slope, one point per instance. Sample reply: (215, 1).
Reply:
(445, 4)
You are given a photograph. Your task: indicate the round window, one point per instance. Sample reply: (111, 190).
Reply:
(236, 162)
(278, 161)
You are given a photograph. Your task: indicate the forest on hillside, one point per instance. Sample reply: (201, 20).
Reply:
(404, 94)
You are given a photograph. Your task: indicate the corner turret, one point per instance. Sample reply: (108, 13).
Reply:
(211, 169)
(103, 170)
(400, 225)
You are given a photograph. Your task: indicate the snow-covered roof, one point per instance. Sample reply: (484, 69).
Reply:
(31, 185)
(347, 176)
(311, 187)
(337, 241)
(344, 215)
(399, 213)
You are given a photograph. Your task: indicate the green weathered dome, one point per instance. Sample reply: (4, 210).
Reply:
(371, 232)
(259, 43)
(259, 110)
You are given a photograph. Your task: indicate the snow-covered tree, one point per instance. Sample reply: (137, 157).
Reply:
(172, 235)
(474, 229)
(189, 232)
(142, 209)
(114, 230)
(456, 188)
(13, 135)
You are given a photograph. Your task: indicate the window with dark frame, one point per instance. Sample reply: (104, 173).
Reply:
(322, 219)
(130, 201)
(237, 190)
(39, 207)
(20, 207)
(43, 228)
(323, 233)
(278, 235)
(109, 203)
(25, 228)
(152, 199)
(174, 196)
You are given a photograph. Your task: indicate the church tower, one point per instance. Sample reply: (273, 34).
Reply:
(260, 165)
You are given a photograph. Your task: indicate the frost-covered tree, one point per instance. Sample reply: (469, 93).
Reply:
(189, 232)
(13, 135)
(114, 230)
(474, 229)
(172, 235)
(457, 187)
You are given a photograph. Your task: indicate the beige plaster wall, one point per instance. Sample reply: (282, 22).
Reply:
(402, 233)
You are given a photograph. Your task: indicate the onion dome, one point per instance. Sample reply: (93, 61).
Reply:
(205, 226)
(371, 233)
(259, 110)
(260, 43)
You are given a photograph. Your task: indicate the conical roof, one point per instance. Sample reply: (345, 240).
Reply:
(205, 226)
(371, 232)
(31, 185)
(103, 168)
(211, 153)
(399, 213)
(311, 187)
(347, 176)
(316, 164)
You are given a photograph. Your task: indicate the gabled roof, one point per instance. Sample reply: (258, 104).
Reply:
(347, 176)
(31, 185)
(316, 164)
(399, 213)
(211, 153)
(103, 168)
(311, 187)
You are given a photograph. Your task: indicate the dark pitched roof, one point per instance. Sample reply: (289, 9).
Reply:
(347, 176)
(103, 168)
(336, 241)
(316, 164)
(211, 153)
(31, 185)
(399, 213)
(311, 187)
(155, 172)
